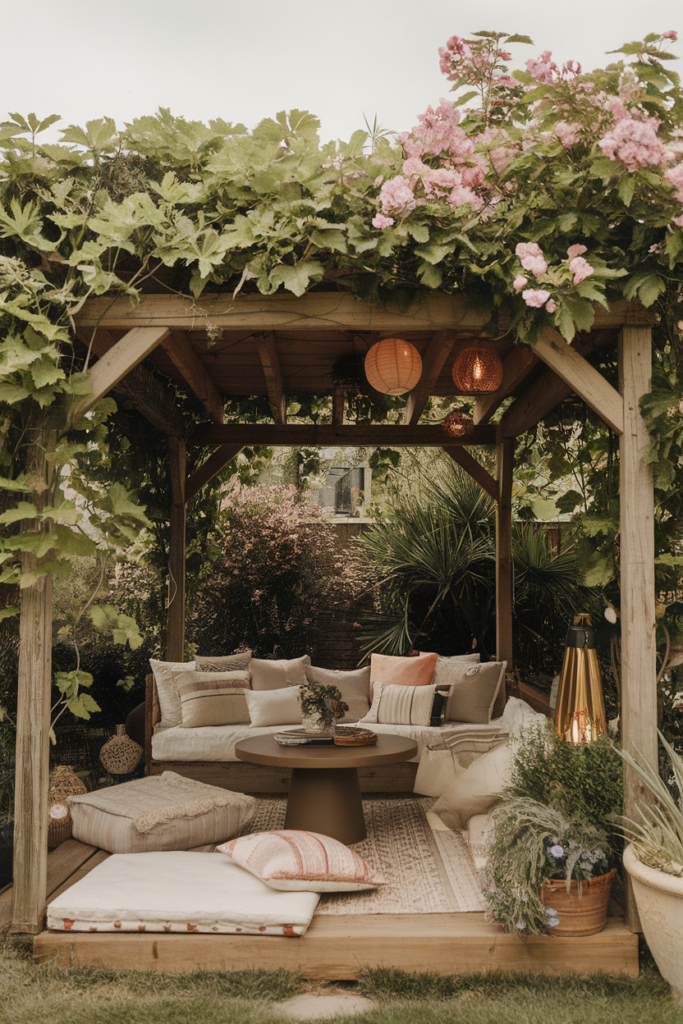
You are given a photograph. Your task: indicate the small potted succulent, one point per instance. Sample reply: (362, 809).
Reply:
(550, 874)
(654, 860)
(321, 706)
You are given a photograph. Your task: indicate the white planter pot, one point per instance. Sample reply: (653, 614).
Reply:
(659, 898)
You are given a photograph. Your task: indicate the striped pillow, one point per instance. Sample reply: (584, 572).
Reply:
(295, 860)
(213, 698)
(407, 705)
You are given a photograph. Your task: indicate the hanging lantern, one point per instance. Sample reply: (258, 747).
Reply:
(580, 711)
(478, 371)
(457, 424)
(393, 366)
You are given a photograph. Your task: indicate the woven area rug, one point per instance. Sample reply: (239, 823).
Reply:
(428, 872)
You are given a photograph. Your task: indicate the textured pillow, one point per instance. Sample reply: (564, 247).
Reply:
(228, 663)
(519, 719)
(477, 789)
(354, 687)
(274, 707)
(474, 689)
(295, 860)
(473, 659)
(267, 674)
(213, 698)
(165, 676)
(402, 671)
(407, 705)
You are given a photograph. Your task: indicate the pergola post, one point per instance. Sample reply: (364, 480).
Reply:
(33, 729)
(175, 630)
(505, 451)
(637, 554)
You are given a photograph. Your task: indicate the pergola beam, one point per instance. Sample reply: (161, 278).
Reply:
(270, 361)
(436, 354)
(329, 435)
(190, 367)
(517, 365)
(208, 470)
(475, 469)
(544, 395)
(175, 628)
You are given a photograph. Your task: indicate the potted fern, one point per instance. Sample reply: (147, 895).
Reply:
(654, 860)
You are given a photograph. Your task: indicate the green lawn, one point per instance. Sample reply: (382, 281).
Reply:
(50, 995)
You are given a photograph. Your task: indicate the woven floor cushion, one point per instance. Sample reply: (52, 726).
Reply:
(178, 892)
(161, 812)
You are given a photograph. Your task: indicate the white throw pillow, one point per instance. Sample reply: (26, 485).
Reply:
(274, 707)
(166, 678)
(519, 719)
(295, 860)
(477, 789)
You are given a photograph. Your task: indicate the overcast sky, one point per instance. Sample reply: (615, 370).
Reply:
(243, 60)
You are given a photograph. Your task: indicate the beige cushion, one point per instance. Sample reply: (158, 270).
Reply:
(160, 812)
(274, 707)
(406, 705)
(224, 663)
(213, 698)
(294, 860)
(442, 761)
(165, 677)
(267, 674)
(474, 688)
(472, 658)
(354, 687)
(477, 789)
(416, 671)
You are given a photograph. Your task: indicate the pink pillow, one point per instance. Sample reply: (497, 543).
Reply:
(301, 861)
(402, 671)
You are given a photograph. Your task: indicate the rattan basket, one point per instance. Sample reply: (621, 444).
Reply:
(63, 783)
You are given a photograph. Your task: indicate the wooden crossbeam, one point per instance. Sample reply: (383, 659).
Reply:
(135, 346)
(475, 469)
(436, 354)
(190, 367)
(329, 435)
(533, 405)
(208, 470)
(583, 378)
(516, 366)
(270, 361)
(338, 401)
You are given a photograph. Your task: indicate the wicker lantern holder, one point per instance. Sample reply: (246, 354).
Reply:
(393, 366)
(457, 424)
(477, 371)
(120, 755)
(63, 783)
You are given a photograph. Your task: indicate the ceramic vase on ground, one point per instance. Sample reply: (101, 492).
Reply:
(120, 755)
(317, 725)
(63, 783)
(584, 915)
(659, 898)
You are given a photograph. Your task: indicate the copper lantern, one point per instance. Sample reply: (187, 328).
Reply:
(477, 371)
(580, 711)
(457, 424)
(393, 366)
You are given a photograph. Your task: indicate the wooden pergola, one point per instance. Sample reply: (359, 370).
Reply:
(280, 345)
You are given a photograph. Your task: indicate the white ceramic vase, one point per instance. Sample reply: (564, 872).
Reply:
(316, 725)
(659, 898)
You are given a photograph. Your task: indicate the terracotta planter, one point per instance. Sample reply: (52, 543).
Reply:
(585, 916)
(659, 898)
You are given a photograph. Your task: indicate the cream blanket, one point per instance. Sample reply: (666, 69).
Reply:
(159, 798)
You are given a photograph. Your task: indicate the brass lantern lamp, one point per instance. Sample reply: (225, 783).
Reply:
(580, 712)
(477, 371)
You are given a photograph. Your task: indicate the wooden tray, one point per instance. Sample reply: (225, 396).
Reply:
(350, 736)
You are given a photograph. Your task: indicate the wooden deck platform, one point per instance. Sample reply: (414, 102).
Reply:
(334, 947)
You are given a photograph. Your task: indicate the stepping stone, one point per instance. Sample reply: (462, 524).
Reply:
(311, 1007)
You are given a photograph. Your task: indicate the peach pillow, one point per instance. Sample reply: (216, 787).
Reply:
(402, 671)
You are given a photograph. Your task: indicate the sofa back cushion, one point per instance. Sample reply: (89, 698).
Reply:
(402, 671)
(268, 674)
(165, 677)
(354, 687)
(224, 663)
(474, 689)
(213, 698)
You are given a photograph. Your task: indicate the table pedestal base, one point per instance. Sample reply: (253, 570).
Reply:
(327, 801)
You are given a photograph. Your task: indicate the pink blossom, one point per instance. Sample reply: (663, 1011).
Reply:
(542, 69)
(520, 282)
(672, 34)
(414, 166)
(576, 250)
(505, 82)
(580, 268)
(536, 297)
(461, 196)
(438, 134)
(550, 306)
(633, 140)
(568, 134)
(381, 222)
(531, 257)
(675, 176)
(678, 221)
(454, 49)
(396, 196)
(378, 181)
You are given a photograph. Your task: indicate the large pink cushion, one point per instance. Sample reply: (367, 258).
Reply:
(296, 860)
(402, 671)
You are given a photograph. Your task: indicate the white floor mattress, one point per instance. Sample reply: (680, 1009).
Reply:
(217, 742)
(179, 892)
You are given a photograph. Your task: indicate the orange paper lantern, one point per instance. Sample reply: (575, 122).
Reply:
(393, 366)
(477, 371)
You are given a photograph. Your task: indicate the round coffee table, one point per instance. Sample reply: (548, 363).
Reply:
(324, 792)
